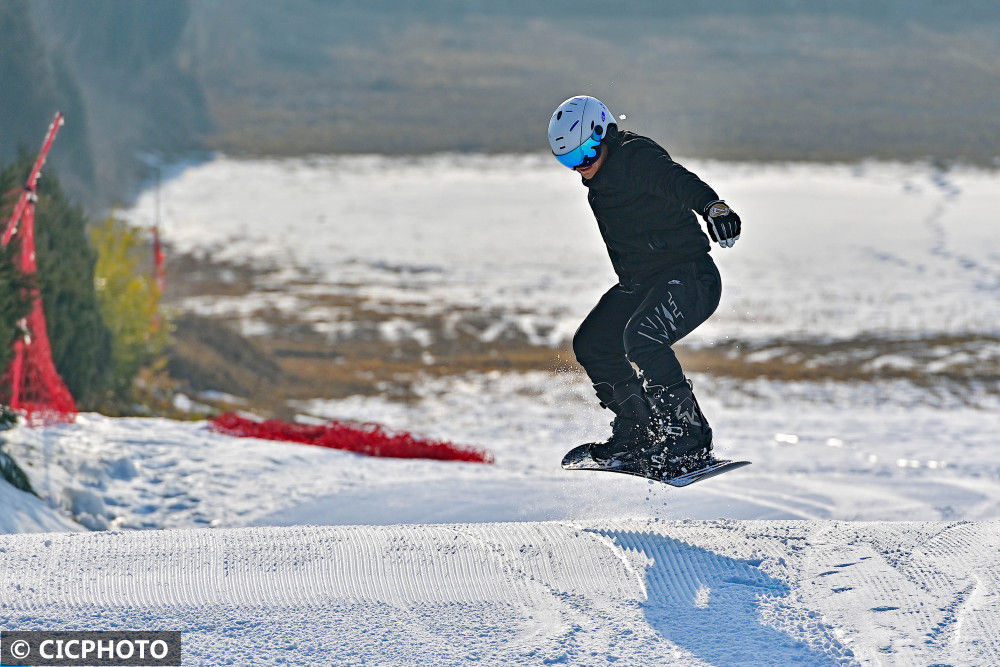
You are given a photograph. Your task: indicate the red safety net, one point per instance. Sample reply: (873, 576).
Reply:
(368, 439)
(159, 276)
(31, 384)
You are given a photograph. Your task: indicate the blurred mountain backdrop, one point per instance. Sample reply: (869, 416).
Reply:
(781, 79)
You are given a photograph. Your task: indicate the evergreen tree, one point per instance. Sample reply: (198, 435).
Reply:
(81, 343)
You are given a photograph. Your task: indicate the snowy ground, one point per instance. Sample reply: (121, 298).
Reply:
(24, 513)
(881, 459)
(827, 251)
(589, 592)
(901, 254)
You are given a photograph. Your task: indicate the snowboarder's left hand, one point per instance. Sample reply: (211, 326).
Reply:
(723, 223)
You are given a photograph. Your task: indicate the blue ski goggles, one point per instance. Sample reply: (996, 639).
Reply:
(583, 156)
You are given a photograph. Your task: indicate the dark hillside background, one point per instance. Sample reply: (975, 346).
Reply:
(793, 79)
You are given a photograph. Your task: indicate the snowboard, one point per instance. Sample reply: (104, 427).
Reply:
(578, 458)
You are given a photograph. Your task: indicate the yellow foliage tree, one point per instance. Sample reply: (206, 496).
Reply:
(129, 300)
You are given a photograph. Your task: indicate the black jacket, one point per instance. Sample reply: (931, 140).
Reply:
(643, 203)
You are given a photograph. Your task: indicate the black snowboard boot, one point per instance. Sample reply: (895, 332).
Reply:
(631, 436)
(683, 436)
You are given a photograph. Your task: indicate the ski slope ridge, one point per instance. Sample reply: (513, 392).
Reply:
(636, 591)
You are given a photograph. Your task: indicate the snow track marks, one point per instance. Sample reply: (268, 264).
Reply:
(640, 591)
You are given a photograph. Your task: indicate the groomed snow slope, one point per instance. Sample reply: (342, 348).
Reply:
(637, 592)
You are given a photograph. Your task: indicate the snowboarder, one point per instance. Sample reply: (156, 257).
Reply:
(668, 285)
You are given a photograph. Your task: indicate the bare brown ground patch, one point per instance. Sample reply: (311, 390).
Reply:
(271, 371)
(959, 359)
(294, 362)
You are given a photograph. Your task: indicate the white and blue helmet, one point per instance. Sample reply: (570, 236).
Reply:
(577, 128)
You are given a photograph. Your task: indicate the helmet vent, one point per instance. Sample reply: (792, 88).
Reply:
(559, 116)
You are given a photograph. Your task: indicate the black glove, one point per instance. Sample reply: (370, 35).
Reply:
(723, 223)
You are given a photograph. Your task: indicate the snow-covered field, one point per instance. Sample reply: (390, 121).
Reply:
(827, 251)
(908, 254)
(904, 254)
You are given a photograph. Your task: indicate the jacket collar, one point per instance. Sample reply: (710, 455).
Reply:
(612, 142)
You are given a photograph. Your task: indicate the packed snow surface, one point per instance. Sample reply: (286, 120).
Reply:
(587, 592)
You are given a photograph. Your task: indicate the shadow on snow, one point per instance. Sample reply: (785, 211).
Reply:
(709, 604)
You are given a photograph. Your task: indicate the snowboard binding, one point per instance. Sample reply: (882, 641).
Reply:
(658, 432)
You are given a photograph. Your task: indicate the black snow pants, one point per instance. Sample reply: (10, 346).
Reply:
(639, 324)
